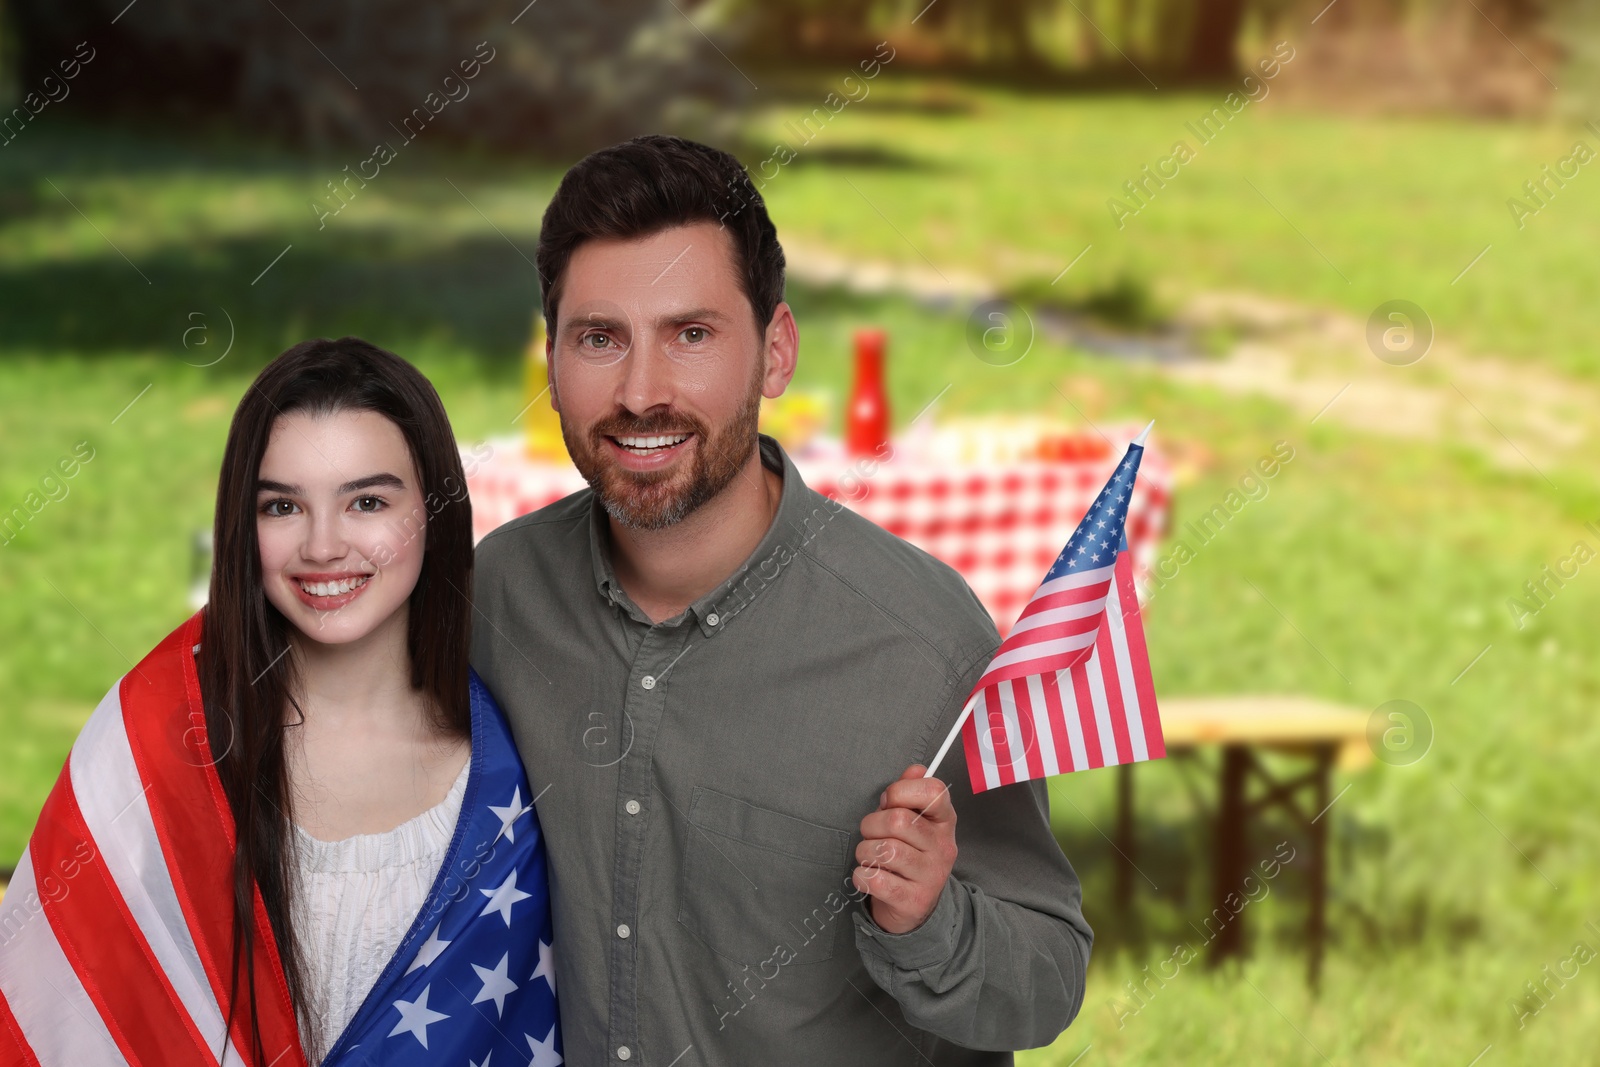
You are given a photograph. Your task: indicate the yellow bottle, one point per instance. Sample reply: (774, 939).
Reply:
(541, 426)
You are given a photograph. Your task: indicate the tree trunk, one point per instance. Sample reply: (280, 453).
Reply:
(1216, 29)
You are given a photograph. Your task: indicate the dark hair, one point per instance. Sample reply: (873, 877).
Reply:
(247, 684)
(640, 187)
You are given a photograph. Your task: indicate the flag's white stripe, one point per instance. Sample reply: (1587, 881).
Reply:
(1074, 581)
(1102, 710)
(1072, 714)
(1117, 627)
(1042, 730)
(1016, 740)
(1039, 650)
(991, 766)
(1066, 613)
(105, 782)
(58, 1020)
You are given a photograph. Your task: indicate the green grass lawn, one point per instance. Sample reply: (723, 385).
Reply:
(1326, 210)
(1455, 880)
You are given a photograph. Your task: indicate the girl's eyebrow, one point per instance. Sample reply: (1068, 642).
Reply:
(386, 480)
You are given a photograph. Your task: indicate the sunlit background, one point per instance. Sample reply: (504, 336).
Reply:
(1354, 243)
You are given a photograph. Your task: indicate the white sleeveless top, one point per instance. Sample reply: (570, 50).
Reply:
(353, 902)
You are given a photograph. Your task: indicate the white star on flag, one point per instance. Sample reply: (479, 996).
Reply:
(503, 896)
(429, 951)
(416, 1017)
(485, 1063)
(496, 984)
(509, 815)
(547, 966)
(544, 1052)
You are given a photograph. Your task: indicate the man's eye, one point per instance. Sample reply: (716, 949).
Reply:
(695, 334)
(596, 340)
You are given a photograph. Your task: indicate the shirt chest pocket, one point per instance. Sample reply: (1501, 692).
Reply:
(759, 885)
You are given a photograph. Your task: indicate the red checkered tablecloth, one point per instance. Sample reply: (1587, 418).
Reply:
(1000, 524)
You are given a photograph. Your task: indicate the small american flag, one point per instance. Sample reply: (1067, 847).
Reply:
(1070, 686)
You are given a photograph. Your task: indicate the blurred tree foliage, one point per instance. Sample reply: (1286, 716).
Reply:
(1109, 40)
(568, 75)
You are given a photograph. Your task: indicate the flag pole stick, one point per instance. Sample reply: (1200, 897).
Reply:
(954, 732)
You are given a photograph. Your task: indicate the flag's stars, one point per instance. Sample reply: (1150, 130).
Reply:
(485, 1063)
(429, 951)
(502, 897)
(546, 968)
(509, 815)
(496, 984)
(416, 1017)
(544, 1052)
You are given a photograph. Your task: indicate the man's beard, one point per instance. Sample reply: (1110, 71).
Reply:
(654, 500)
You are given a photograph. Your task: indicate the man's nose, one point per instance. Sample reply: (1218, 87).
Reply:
(647, 379)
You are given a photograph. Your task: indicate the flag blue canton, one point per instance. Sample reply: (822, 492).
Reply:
(474, 974)
(1101, 534)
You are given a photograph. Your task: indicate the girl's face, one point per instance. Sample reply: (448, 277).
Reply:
(340, 522)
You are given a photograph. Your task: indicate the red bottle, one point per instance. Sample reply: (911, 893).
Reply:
(867, 420)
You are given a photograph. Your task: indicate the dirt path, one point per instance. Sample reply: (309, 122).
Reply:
(1523, 417)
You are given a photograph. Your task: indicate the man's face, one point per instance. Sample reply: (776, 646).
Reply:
(658, 370)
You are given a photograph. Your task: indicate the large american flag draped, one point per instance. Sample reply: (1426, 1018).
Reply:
(1070, 686)
(116, 932)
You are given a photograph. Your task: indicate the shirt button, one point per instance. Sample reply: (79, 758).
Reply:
(624, 1052)
(649, 682)
(713, 619)
(631, 807)
(623, 931)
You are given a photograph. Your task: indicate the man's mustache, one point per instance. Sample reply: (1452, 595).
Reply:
(627, 424)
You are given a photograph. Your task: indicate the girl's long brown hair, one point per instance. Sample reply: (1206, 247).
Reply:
(247, 682)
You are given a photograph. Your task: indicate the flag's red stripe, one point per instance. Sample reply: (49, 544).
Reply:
(1033, 753)
(1050, 631)
(1046, 660)
(1107, 664)
(969, 741)
(1065, 598)
(1140, 655)
(108, 951)
(1058, 721)
(1001, 743)
(14, 1048)
(1085, 701)
(195, 827)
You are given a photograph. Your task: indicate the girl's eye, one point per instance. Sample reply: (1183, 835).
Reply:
(276, 508)
(695, 334)
(369, 503)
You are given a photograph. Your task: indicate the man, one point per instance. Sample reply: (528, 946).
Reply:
(717, 678)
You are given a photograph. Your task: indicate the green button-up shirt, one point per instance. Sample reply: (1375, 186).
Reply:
(701, 782)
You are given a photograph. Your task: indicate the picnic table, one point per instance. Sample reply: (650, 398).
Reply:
(987, 498)
(1325, 735)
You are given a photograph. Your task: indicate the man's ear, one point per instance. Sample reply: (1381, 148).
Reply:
(781, 350)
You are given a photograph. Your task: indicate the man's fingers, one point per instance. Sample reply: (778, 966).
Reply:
(905, 824)
(890, 855)
(929, 796)
(886, 885)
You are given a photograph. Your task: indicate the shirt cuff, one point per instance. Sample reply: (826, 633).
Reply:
(929, 945)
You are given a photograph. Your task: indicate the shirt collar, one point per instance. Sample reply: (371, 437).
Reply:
(768, 560)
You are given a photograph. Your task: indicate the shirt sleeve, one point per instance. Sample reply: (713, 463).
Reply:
(1000, 962)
